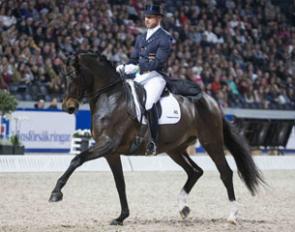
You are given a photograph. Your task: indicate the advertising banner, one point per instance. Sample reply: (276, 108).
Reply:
(43, 131)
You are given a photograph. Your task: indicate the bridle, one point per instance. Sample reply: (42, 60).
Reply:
(75, 75)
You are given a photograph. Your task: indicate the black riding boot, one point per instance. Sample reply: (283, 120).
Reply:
(152, 118)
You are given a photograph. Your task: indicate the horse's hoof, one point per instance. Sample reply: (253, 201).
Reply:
(185, 212)
(55, 197)
(232, 220)
(116, 222)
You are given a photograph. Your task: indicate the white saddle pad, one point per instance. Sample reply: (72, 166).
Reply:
(171, 113)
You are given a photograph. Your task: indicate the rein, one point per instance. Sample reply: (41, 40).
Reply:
(94, 96)
(103, 90)
(82, 82)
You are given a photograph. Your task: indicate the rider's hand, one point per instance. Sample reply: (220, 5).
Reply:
(131, 69)
(120, 68)
(127, 69)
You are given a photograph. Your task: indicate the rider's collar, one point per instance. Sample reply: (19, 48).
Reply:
(151, 31)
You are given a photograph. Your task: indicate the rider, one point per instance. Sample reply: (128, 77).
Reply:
(148, 60)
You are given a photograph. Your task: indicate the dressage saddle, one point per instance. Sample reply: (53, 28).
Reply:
(185, 88)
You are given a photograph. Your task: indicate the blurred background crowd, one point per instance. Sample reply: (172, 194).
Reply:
(242, 52)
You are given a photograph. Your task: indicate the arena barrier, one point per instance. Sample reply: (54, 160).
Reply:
(59, 163)
(270, 128)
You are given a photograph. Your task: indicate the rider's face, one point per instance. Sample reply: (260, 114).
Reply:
(152, 21)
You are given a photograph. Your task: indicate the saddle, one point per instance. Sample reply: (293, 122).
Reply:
(185, 88)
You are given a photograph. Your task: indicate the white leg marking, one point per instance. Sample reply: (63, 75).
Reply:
(182, 199)
(234, 209)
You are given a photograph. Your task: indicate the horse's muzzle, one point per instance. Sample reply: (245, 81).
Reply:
(71, 110)
(70, 106)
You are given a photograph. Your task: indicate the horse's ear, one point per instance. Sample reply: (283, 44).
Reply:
(104, 58)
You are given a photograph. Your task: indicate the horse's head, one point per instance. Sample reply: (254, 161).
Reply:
(87, 74)
(73, 87)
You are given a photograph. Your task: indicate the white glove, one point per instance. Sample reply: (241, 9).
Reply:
(131, 69)
(120, 68)
(128, 68)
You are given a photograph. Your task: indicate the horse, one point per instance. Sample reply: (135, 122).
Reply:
(113, 128)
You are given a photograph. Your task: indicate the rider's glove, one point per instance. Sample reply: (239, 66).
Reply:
(128, 68)
(120, 68)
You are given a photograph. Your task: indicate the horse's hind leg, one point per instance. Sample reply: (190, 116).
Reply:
(116, 167)
(216, 152)
(193, 171)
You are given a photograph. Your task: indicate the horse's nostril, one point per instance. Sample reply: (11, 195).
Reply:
(71, 110)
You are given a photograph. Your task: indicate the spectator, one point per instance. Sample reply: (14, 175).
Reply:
(40, 104)
(252, 42)
(53, 104)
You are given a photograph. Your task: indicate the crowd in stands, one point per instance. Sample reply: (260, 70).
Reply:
(242, 52)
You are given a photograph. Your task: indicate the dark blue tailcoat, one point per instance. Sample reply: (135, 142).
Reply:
(152, 54)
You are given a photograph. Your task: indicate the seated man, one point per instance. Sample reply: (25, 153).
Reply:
(148, 60)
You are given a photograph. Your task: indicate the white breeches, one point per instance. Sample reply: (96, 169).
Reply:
(154, 84)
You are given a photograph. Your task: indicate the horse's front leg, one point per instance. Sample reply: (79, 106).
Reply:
(116, 167)
(104, 147)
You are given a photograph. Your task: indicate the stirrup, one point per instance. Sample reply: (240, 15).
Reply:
(151, 149)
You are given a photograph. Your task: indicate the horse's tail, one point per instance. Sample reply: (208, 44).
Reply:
(239, 148)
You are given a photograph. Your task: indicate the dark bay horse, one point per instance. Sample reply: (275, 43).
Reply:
(114, 130)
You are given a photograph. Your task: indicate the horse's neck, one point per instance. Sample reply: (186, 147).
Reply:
(101, 84)
(109, 92)
(108, 101)
(105, 77)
